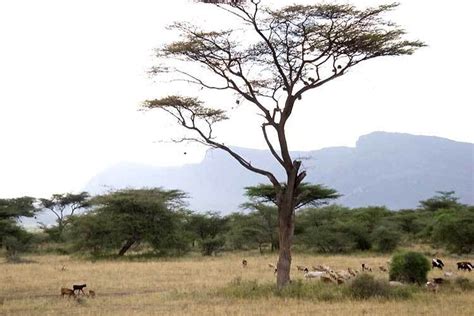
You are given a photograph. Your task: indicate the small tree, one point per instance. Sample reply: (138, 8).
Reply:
(208, 229)
(444, 200)
(412, 267)
(286, 53)
(12, 236)
(125, 218)
(455, 229)
(385, 239)
(63, 206)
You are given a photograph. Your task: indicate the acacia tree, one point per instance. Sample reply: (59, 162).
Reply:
(63, 206)
(285, 53)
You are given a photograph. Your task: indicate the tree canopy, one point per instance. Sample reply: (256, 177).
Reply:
(275, 57)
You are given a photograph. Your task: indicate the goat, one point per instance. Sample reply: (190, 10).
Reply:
(465, 265)
(326, 279)
(313, 274)
(437, 263)
(301, 268)
(431, 286)
(438, 280)
(366, 268)
(448, 274)
(352, 272)
(79, 288)
(244, 263)
(68, 292)
(91, 293)
(383, 269)
(395, 283)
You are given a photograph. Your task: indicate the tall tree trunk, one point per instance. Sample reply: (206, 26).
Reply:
(127, 246)
(287, 227)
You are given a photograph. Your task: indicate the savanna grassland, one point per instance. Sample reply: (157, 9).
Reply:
(200, 286)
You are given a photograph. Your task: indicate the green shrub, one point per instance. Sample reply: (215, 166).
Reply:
(365, 286)
(385, 239)
(411, 267)
(464, 284)
(297, 289)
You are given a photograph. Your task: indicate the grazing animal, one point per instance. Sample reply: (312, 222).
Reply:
(68, 292)
(301, 268)
(326, 279)
(366, 268)
(318, 268)
(431, 286)
(448, 274)
(244, 263)
(91, 293)
(79, 288)
(395, 283)
(465, 265)
(438, 280)
(383, 269)
(271, 265)
(437, 263)
(313, 274)
(352, 272)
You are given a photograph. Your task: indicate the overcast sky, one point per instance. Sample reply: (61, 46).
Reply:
(73, 73)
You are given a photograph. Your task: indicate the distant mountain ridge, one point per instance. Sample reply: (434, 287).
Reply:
(392, 169)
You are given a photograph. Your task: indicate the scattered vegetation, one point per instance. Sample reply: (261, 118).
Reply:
(409, 267)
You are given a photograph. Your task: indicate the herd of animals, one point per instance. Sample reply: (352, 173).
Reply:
(328, 275)
(76, 287)
(321, 272)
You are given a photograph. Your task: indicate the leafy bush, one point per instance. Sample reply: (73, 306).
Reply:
(385, 239)
(411, 267)
(365, 286)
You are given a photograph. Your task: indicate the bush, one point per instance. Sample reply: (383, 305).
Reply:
(385, 239)
(365, 286)
(411, 267)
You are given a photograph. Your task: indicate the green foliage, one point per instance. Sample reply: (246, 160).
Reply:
(365, 286)
(444, 200)
(12, 236)
(409, 267)
(454, 228)
(126, 218)
(306, 194)
(62, 206)
(385, 239)
(208, 229)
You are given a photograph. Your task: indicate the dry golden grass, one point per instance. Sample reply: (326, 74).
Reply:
(185, 286)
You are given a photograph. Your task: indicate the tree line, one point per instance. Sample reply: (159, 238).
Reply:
(154, 221)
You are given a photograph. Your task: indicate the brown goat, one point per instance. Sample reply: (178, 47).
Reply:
(91, 293)
(68, 292)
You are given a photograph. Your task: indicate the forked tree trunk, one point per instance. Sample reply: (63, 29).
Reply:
(286, 230)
